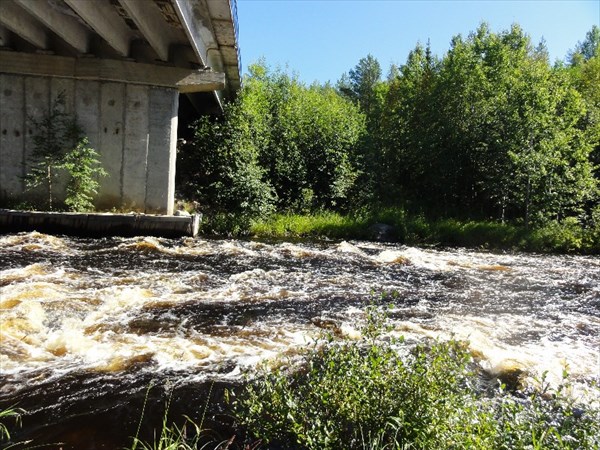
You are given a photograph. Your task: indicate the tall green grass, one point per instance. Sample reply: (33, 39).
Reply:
(566, 236)
(9, 417)
(188, 435)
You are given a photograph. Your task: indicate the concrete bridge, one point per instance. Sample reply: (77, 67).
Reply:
(130, 70)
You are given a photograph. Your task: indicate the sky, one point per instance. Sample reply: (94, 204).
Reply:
(319, 40)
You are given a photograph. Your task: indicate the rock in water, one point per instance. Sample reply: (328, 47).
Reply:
(383, 232)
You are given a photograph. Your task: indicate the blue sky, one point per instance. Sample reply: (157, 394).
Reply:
(321, 39)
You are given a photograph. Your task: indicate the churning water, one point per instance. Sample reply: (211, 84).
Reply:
(87, 324)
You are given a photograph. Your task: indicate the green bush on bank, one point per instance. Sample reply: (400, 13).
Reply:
(375, 394)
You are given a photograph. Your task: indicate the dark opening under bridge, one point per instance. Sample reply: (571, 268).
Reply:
(126, 68)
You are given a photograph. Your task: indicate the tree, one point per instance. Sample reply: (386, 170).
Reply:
(363, 86)
(281, 144)
(491, 130)
(60, 145)
(309, 137)
(586, 50)
(515, 123)
(406, 125)
(360, 85)
(56, 132)
(84, 168)
(219, 169)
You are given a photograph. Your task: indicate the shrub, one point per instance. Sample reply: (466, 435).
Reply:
(377, 393)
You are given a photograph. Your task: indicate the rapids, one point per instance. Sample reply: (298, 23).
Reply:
(87, 325)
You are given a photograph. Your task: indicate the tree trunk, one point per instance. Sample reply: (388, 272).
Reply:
(527, 201)
(49, 176)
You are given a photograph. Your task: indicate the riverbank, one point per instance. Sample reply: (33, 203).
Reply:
(395, 225)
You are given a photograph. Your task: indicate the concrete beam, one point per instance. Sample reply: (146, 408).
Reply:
(20, 22)
(184, 80)
(4, 36)
(105, 21)
(67, 27)
(99, 225)
(192, 25)
(149, 20)
(199, 79)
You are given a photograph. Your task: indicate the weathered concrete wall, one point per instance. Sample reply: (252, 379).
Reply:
(133, 127)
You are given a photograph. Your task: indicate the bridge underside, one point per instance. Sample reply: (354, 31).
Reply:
(121, 66)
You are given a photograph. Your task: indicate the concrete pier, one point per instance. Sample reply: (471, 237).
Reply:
(121, 66)
(99, 225)
(134, 128)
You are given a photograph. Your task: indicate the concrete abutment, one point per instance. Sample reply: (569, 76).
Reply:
(132, 126)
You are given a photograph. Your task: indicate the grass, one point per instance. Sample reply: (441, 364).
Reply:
(326, 224)
(190, 435)
(13, 415)
(566, 236)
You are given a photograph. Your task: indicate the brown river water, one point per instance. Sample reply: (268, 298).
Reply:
(88, 325)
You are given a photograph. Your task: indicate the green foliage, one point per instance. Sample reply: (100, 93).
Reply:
(280, 144)
(349, 393)
(220, 170)
(189, 436)
(84, 168)
(378, 393)
(490, 130)
(56, 132)
(587, 49)
(324, 224)
(488, 133)
(360, 85)
(307, 137)
(59, 146)
(567, 235)
(172, 437)
(13, 414)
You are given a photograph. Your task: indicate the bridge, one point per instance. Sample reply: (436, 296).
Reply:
(131, 71)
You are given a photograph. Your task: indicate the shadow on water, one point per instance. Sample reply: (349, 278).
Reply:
(92, 411)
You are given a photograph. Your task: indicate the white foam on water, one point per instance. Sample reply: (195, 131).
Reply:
(71, 317)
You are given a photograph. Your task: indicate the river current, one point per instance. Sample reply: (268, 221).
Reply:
(87, 325)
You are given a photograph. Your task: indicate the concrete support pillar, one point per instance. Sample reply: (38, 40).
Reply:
(111, 141)
(135, 150)
(12, 136)
(162, 150)
(133, 128)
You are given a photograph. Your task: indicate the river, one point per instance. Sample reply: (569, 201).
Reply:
(88, 325)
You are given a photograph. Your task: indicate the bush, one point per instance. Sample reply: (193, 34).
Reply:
(377, 393)
(566, 236)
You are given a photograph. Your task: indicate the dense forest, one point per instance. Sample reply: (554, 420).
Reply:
(492, 130)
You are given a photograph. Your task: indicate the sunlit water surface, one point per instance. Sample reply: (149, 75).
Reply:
(87, 324)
